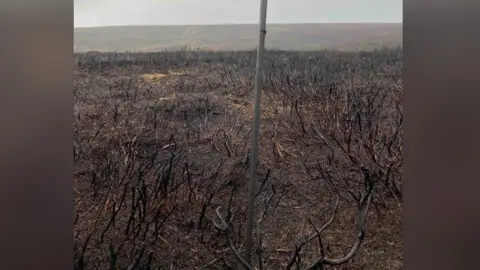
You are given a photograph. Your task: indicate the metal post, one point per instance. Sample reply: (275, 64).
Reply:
(255, 132)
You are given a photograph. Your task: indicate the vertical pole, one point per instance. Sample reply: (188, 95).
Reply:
(255, 132)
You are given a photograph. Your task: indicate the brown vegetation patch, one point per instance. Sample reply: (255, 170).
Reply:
(153, 77)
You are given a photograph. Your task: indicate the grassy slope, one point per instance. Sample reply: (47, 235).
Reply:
(236, 37)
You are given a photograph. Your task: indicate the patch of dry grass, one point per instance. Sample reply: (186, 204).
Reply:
(153, 77)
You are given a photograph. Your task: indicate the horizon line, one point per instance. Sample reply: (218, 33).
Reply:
(246, 23)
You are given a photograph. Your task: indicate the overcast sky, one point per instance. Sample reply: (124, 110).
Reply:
(91, 13)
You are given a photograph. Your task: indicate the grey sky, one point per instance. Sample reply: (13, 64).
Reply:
(90, 13)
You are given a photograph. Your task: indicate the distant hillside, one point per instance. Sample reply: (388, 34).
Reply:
(239, 37)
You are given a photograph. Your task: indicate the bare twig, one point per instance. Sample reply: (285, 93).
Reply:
(225, 227)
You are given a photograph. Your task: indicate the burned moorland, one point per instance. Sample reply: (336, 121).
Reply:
(161, 160)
